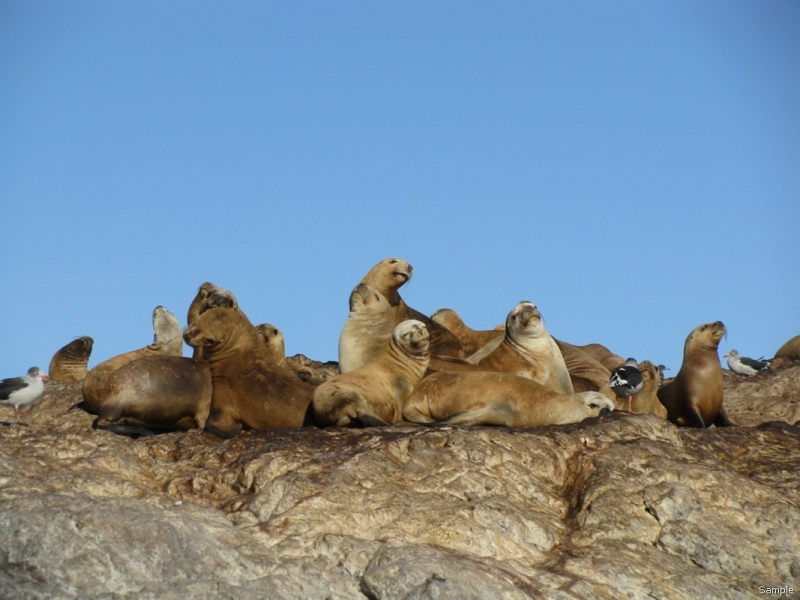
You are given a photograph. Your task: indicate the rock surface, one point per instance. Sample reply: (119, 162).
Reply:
(624, 506)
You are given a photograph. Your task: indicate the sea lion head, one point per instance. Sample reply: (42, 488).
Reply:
(211, 330)
(387, 277)
(274, 340)
(707, 335)
(166, 328)
(218, 297)
(365, 298)
(525, 320)
(79, 348)
(412, 337)
(596, 404)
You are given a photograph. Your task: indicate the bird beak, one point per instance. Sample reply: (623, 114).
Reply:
(45, 377)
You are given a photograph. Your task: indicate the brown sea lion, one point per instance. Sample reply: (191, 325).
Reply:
(156, 392)
(790, 349)
(694, 397)
(166, 341)
(374, 393)
(194, 312)
(646, 399)
(527, 350)
(367, 329)
(71, 362)
(387, 277)
(249, 389)
(492, 398)
(471, 340)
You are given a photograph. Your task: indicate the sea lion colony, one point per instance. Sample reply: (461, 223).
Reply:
(396, 366)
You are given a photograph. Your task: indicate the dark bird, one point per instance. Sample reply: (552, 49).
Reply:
(22, 391)
(661, 369)
(745, 366)
(626, 381)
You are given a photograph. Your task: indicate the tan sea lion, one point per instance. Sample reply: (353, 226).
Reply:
(166, 341)
(70, 363)
(387, 277)
(694, 397)
(367, 329)
(527, 350)
(790, 349)
(646, 399)
(492, 398)
(471, 340)
(374, 393)
(249, 389)
(275, 342)
(156, 393)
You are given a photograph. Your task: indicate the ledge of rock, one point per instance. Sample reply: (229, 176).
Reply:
(620, 506)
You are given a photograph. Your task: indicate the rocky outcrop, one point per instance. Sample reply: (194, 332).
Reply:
(621, 506)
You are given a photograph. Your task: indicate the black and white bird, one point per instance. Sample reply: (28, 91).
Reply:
(626, 381)
(19, 392)
(745, 366)
(661, 369)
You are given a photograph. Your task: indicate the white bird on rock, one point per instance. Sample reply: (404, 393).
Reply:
(745, 366)
(626, 381)
(22, 391)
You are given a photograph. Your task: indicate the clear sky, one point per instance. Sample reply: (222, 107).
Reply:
(633, 168)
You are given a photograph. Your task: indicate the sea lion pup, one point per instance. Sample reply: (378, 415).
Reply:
(646, 399)
(248, 389)
(492, 398)
(166, 341)
(527, 350)
(387, 277)
(156, 393)
(471, 340)
(367, 329)
(694, 397)
(70, 363)
(603, 355)
(790, 349)
(374, 393)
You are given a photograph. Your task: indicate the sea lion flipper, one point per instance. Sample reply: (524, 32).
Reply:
(723, 420)
(366, 420)
(124, 429)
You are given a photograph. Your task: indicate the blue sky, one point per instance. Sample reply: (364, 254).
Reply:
(633, 168)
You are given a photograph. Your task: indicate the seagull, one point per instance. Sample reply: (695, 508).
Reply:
(661, 369)
(626, 381)
(21, 391)
(745, 366)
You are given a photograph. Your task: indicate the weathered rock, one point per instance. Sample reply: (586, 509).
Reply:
(621, 506)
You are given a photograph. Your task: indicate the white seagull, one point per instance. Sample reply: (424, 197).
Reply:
(22, 391)
(626, 381)
(745, 366)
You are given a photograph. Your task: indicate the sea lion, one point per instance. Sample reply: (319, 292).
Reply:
(646, 399)
(471, 340)
(70, 363)
(166, 341)
(790, 349)
(275, 342)
(374, 393)
(367, 329)
(156, 393)
(218, 297)
(387, 277)
(585, 373)
(694, 397)
(527, 350)
(249, 389)
(603, 355)
(492, 398)
(194, 312)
